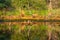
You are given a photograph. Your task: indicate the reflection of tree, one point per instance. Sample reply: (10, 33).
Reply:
(5, 35)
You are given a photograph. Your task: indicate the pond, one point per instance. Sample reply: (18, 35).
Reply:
(29, 30)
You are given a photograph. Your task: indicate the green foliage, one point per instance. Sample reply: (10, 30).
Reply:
(29, 6)
(33, 4)
(5, 4)
(12, 12)
(1, 13)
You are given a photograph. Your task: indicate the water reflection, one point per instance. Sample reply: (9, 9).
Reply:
(29, 30)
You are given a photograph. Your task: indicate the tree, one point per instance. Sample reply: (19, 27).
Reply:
(5, 4)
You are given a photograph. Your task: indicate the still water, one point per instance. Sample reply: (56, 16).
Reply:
(29, 30)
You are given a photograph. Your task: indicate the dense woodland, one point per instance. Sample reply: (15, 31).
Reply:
(22, 8)
(7, 6)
